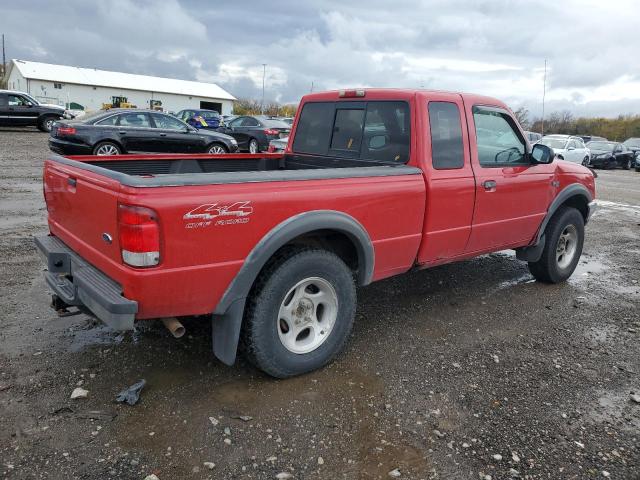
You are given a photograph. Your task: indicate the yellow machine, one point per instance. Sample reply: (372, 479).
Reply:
(155, 105)
(118, 102)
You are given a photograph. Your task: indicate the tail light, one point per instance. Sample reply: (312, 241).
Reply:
(351, 93)
(139, 234)
(271, 131)
(62, 131)
(271, 149)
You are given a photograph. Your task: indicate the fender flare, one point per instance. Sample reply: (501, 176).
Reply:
(227, 317)
(533, 252)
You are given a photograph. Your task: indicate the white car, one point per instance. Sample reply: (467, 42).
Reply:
(568, 147)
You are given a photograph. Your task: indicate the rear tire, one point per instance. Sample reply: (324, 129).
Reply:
(585, 161)
(46, 124)
(564, 238)
(106, 148)
(300, 312)
(627, 166)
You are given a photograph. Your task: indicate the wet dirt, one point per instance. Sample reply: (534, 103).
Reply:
(445, 368)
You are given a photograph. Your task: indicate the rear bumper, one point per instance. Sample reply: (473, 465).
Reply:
(67, 148)
(78, 283)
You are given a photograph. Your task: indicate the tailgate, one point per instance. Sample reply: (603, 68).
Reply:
(82, 208)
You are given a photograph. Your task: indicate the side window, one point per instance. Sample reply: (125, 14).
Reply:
(167, 123)
(140, 120)
(498, 142)
(447, 151)
(17, 101)
(250, 122)
(314, 128)
(237, 122)
(112, 120)
(347, 130)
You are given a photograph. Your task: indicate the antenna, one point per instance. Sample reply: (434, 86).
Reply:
(544, 94)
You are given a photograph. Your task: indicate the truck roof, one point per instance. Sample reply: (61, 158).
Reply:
(397, 93)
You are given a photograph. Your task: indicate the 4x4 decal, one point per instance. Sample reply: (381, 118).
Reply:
(235, 213)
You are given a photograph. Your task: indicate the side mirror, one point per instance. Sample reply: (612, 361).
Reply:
(571, 148)
(542, 154)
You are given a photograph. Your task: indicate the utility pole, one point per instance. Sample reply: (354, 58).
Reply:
(544, 93)
(311, 91)
(264, 71)
(4, 61)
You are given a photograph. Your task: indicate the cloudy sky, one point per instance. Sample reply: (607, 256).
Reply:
(492, 47)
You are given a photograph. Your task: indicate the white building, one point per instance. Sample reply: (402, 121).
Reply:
(88, 88)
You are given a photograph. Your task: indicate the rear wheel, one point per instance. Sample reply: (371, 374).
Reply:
(627, 165)
(106, 148)
(585, 161)
(217, 149)
(300, 312)
(564, 238)
(253, 146)
(46, 124)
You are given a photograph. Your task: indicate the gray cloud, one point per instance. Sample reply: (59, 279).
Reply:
(493, 47)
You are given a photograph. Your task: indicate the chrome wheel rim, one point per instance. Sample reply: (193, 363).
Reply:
(253, 146)
(107, 150)
(307, 315)
(217, 149)
(567, 246)
(48, 124)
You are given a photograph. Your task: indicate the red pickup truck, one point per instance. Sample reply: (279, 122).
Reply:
(271, 247)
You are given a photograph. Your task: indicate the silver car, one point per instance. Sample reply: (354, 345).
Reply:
(568, 147)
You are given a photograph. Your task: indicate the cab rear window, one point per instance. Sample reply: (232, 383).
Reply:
(360, 130)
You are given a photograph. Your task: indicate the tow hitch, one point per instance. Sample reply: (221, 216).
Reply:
(61, 308)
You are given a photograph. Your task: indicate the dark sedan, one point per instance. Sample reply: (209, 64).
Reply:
(125, 130)
(254, 133)
(610, 155)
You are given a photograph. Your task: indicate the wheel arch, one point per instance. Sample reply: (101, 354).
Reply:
(333, 230)
(576, 196)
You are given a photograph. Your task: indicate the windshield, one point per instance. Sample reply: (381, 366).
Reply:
(208, 114)
(632, 142)
(553, 142)
(31, 99)
(601, 145)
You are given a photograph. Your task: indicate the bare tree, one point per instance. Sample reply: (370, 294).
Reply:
(522, 115)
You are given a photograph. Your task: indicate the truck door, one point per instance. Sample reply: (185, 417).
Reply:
(21, 111)
(449, 177)
(512, 193)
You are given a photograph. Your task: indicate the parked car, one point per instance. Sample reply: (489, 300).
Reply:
(533, 137)
(208, 119)
(278, 145)
(119, 131)
(567, 147)
(610, 155)
(271, 249)
(592, 138)
(254, 133)
(633, 144)
(19, 109)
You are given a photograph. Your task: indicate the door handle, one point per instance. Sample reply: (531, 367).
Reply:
(122, 132)
(163, 134)
(489, 185)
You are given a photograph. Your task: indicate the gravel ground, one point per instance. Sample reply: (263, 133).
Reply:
(465, 371)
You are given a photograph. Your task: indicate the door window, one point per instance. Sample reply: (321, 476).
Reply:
(168, 123)
(499, 144)
(140, 120)
(386, 132)
(447, 151)
(250, 122)
(18, 101)
(112, 120)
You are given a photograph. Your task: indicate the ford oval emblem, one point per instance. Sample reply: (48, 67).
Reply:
(108, 239)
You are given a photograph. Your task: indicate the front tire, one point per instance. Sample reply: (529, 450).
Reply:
(627, 165)
(253, 146)
(300, 312)
(217, 149)
(106, 148)
(564, 239)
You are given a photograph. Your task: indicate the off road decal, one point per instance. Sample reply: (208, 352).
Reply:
(216, 214)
